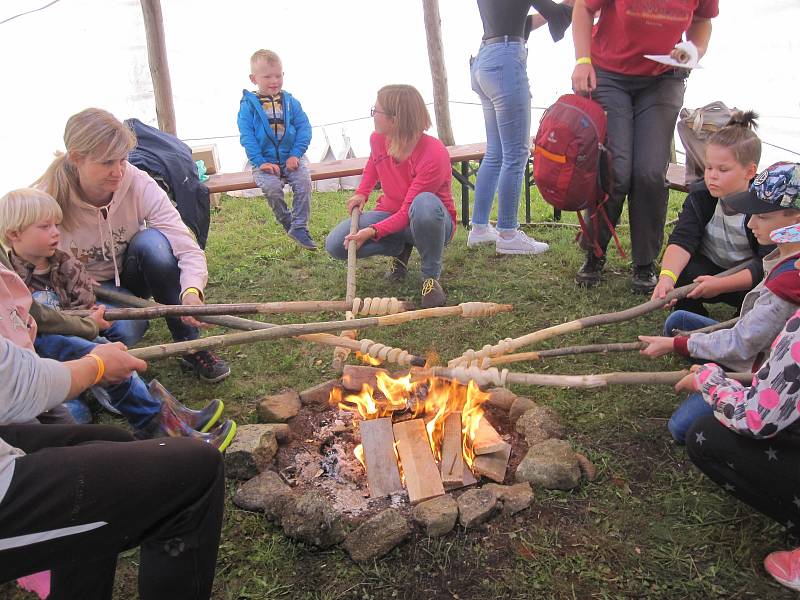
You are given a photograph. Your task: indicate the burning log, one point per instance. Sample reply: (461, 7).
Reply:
(452, 465)
(471, 357)
(355, 376)
(487, 440)
(493, 465)
(380, 460)
(341, 353)
(422, 477)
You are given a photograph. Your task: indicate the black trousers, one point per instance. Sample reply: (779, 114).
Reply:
(701, 265)
(82, 494)
(762, 473)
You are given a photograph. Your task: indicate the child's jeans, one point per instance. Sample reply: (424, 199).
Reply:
(131, 397)
(686, 321)
(272, 186)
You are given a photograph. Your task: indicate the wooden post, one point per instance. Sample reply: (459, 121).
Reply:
(159, 68)
(340, 354)
(441, 99)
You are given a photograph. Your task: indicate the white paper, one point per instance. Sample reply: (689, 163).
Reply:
(666, 59)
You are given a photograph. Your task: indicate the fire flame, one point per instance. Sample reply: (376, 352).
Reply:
(368, 359)
(430, 398)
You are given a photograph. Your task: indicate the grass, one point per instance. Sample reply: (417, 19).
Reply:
(650, 526)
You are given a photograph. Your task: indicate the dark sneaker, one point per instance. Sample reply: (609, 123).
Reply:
(206, 366)
(432, 294)
(399, 267)
(643, 279)
(591, 272)
(200, 420)
(303, 238)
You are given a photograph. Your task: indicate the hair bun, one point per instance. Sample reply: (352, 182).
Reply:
(746, 119)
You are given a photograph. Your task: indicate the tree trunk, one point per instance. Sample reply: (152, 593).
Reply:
(441, 100)
(159, 68)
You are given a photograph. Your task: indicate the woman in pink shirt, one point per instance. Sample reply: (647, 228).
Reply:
(415, 208)
(122, 226)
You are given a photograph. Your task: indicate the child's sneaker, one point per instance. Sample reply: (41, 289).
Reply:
(784, 566)
(519, 244)
(207, 366)
(481, 234)
(302, 237)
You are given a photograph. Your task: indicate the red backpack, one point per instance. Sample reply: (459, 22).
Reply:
(572, 166)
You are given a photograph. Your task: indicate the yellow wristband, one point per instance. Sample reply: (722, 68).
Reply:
(101, 367)
(191, 290)
(669, 274)
(584, 60)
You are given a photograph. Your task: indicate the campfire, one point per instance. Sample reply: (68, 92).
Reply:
(424, 434)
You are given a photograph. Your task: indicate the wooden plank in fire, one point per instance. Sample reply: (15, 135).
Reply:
(355, 376)
(377, 438)
(487, 440)
(452, 466)
(422, 477)
(493, 465)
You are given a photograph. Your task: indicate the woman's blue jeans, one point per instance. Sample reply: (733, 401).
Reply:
(149, 269)
(430, 228)
(500, 78)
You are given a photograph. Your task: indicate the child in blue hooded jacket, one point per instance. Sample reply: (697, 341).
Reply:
(275, 133)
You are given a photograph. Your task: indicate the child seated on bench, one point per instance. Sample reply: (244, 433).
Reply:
(275, 133)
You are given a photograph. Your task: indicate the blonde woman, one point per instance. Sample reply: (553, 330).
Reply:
(121, 225)
(415, 208)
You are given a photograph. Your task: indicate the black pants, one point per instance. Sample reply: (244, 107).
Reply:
(762, 473)
(701, 265)
(165, 495)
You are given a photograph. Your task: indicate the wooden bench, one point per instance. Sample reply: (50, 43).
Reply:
(460, 156)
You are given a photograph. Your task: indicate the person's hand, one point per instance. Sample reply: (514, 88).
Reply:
(270, 168)
(119, 365)
(664, 286)
(292, 163)
(688, 383)
(709, 286)
(360, 236)
(656, 345)
(356, 201)
(97, 316)
(584, 79)
(192, 299)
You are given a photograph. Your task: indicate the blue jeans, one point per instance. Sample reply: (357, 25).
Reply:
(131, 397)
(429, 229)
(687, 413)
(500, 78)
(272, 186)
(686, 321)
(149, 269)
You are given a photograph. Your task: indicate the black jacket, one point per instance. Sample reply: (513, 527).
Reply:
(165, 156)
(698, 208)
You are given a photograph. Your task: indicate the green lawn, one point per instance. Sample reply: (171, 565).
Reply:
(650, 525)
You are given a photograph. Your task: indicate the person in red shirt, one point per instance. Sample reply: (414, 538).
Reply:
(641, 98)
(415, 208)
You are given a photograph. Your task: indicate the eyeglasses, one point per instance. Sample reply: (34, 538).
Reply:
(374, 110)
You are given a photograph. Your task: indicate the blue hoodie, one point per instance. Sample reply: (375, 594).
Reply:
(259, 140)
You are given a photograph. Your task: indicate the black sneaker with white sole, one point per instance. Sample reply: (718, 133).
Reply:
(207, 366)
(643, 279)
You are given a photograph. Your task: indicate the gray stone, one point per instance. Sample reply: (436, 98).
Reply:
(501, 398)
(520, 405)
(552, 464)
(477, 506)
(319, 395)
(279, 408)
(251, 451)
(437, 516)
(267, 493)
(538, 424)
(513, 498)
(376, 536)
(312, 520)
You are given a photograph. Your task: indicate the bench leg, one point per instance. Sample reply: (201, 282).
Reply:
(465, 193)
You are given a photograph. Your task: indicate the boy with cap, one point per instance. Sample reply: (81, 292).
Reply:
(773, 202)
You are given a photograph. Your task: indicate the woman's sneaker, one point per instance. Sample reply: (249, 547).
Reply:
(206, 366)
(481, 234)
(519, 244)
(432, 294)
(784, 566)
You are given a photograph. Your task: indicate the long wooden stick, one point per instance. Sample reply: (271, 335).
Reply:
(509, 345)
(709, 328)
(247, 308)
(340, 353)
(494, 377)
(374, 349)
(566, 351)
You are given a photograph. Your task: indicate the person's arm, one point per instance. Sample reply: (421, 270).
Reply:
(303, 132)
(584, 78)
(710, 286)
(672, 265)
(699, 33)
(79, 286)
(53, 321)
(247, 135)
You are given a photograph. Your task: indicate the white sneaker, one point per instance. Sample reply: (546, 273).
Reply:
(487, 235)
(520, 244)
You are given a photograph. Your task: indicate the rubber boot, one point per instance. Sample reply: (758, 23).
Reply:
(200, 420)
(167, 424)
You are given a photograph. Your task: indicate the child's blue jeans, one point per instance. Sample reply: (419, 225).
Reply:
(272, 186)
(131, 397)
